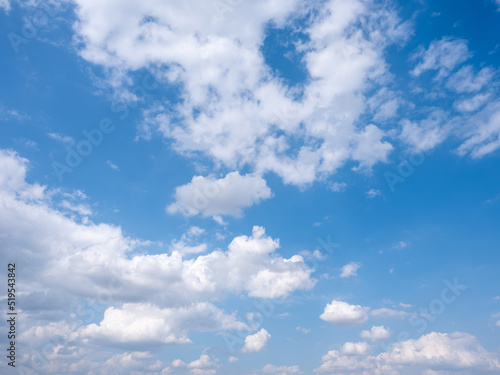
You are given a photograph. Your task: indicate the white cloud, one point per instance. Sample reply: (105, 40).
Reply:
(350, 269)
(209, 196)
(65, 139)
(372, 193)
(355, 348)
(400, 245)
(232, 359)
(472, 104)
(280, 370)
(303, 330)
(376, 334)
(256, 342)
(405, 305)
(148, 324)
(466, 80)
(343, 314)
(458, 353)
(81, 209)
(389, 313)
(217, 61)
(146, 298)
(482, 132)
(442, 55)
(427, 133)
(337, 186)
(112, 165)
(5, 5)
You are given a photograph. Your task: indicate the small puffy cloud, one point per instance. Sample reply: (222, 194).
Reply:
(343, 314)
(256, 342)
(350, 269)
(372, 193)
(355, 348)
(442, 55)
(208, 196)
(389, 313)
(376, 334)
(232, 359)
(280, 370)
(405, 305)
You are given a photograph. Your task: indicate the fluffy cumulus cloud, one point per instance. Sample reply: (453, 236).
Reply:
(376, 334)
(149, 324)
(343, 314)
(454, 353)
(256, 342)
(149, 299)
(209, 196)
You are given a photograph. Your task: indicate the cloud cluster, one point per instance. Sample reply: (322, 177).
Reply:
(457, 353)
(233, 108)
(145, 299)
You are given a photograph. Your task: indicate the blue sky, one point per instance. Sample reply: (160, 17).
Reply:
(266, 187)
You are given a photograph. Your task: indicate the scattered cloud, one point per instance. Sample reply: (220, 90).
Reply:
(465, 80)
(400, 245)
(350, 269)
(303, 330)
(337, 186)
(65, 139)
(112, 165)
(5, 5)
(280, 370)
(389, 313)
(372, 193)
(442, 55)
